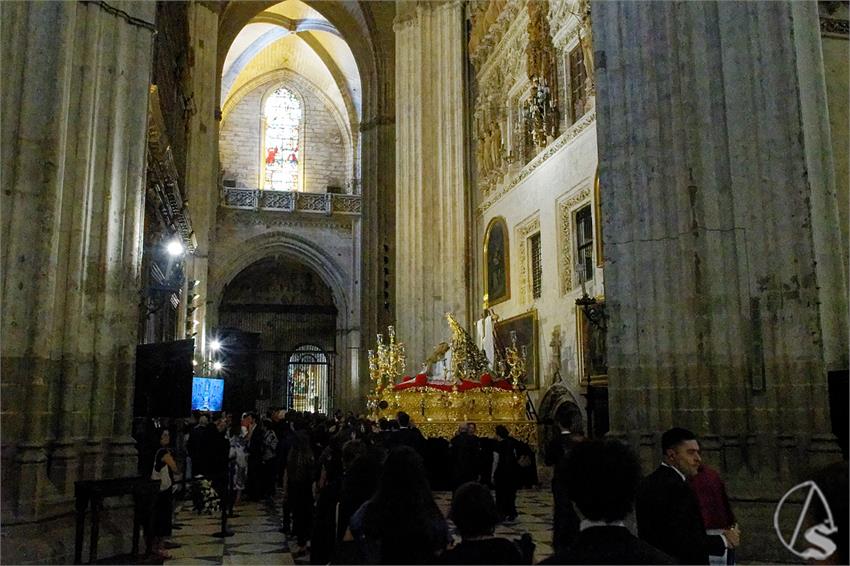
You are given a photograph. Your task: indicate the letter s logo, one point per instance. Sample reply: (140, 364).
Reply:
(822, 547)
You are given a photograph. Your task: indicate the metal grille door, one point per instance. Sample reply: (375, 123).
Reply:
(307, 380)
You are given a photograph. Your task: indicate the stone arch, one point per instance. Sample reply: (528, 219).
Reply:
(559, 397)
(367, 29)
(294, 247)
(332, 274)
(349, 19)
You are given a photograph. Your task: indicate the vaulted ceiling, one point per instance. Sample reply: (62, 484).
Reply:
(293, 36)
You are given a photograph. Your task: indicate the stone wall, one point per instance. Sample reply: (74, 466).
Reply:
(74, 114)
(720, 238)
(325, 246)
(325, 160)
(837, 74)
(171, 74)
(545, 201)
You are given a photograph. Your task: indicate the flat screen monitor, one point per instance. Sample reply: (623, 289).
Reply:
(207, 393)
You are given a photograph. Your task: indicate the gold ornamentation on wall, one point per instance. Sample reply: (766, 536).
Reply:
(565, 237)
(542, 108)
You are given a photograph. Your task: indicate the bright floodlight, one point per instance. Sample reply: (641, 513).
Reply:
(215, 345)
(217, 366)
(174, 248)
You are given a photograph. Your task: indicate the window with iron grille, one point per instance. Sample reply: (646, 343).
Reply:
(536, 266)
(578, 84)
(584, 243)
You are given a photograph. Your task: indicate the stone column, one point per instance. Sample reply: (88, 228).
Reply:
(377, 226)
(74, 117)
(431, 202)
(202, 166)
(715, 222)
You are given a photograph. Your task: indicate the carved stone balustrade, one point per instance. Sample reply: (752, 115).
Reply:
(290, 201)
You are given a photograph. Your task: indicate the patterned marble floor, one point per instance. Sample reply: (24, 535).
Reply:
(256, 539)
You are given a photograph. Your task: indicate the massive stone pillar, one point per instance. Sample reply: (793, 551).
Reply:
(202, 168)
(725, 287)
(377, 228)
(74, 113)
(431, 202)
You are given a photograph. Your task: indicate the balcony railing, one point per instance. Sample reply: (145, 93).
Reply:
(290, 201)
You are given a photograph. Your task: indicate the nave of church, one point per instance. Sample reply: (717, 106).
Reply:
(610, 217)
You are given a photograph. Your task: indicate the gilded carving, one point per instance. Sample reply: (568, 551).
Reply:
(523, 231)
(565, 237)
(553, 148)
(542, 109)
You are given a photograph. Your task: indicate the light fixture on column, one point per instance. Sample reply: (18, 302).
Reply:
(175, 248)
(215, 345)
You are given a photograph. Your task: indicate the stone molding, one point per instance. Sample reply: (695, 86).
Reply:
(581, 125)
(563, 22)
(566, 206)
(381, 120)
(525, 229)
(290, 201)
(342, 223)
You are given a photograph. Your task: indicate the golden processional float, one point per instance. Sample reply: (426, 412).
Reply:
(465, 389)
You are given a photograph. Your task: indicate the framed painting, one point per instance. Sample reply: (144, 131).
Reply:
(590, 335)
(524, 327)
(497, 274)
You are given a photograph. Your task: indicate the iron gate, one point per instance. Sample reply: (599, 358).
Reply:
(308, 380)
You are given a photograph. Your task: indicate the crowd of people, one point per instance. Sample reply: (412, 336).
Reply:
(356, 491)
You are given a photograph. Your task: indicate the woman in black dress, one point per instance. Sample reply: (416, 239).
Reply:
(298, 479)
(164, 466)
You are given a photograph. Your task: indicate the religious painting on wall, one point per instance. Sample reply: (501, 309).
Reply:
(524, 328)
(496, 263)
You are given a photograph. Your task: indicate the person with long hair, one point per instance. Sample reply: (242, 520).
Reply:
(298, 494)
(164, 467)
(401, 523)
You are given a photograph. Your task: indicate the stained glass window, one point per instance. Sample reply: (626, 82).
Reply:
(282, 153)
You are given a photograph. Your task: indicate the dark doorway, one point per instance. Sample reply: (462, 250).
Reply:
(287, 306)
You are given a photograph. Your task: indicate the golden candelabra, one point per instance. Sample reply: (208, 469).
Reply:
(515, 359)
(385, 366)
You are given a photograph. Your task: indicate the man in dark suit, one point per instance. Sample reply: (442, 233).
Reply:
(668, 514)
(601, 477)
(407, 435)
